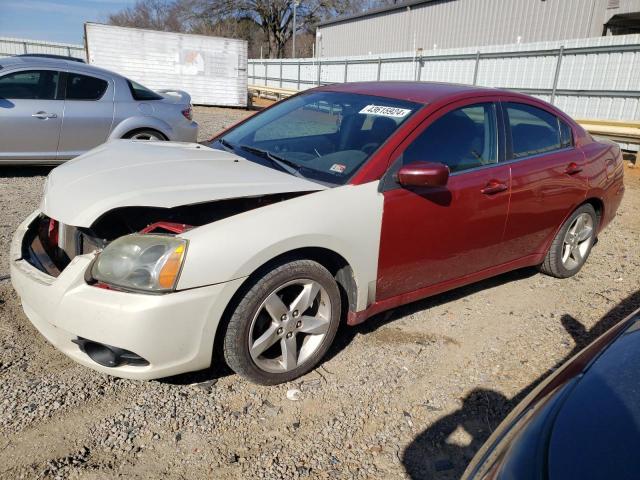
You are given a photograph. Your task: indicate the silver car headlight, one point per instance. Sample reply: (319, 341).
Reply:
(141, 262)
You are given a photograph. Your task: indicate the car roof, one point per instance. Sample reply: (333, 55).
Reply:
(421, 92)
(44, 62)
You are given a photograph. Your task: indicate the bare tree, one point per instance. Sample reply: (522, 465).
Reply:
(165, 15)
(273, 17)
(260, 22)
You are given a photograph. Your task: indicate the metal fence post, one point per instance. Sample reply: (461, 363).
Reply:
(557, 74)
(379, 67)
(280, 73)
(419, 69)
(298, 74)
(319, 70)
(475, 68)
(265, 73)
(346, 68)
(24, 45)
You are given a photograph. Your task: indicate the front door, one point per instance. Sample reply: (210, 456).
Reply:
(432, 235)
(31, 109)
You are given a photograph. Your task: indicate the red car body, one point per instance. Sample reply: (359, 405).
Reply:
(487, 221)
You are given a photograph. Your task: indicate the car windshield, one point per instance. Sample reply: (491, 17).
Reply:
(322, 136)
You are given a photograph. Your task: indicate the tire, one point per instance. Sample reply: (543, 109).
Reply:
(294, 311)
(572, 244)
(147, 134)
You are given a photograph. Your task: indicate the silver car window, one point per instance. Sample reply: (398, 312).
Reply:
(30, 85)
(84, 87)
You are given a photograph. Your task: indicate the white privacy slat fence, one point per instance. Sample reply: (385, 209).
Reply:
(19, 46)
(595, 78)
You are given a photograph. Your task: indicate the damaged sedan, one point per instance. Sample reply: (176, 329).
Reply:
(146, 260)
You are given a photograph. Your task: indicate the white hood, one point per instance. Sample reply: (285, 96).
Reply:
(123, 173)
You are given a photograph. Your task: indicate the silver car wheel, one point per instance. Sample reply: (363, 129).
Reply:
(577, 241)
(149, 136)
(289, 326)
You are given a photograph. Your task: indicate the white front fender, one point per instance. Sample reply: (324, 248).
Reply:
(346, 220)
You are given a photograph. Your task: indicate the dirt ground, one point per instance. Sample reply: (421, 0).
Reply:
(412, 393)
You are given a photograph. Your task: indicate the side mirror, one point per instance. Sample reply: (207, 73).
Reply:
(423, 174)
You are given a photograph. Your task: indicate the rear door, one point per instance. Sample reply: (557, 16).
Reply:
(88, 113)
(547, 178)
(433, 235)
(31, 109)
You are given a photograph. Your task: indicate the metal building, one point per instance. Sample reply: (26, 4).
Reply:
(439, 24)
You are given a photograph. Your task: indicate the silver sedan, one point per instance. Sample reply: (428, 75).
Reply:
(52, 110)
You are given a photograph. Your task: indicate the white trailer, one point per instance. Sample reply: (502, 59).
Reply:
(213, 70)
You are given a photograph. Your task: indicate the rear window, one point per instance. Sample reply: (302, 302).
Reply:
(139, 92)
(533, 131)
(566, 138)
(84, 87)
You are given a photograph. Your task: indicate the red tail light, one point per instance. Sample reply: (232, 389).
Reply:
(188, 113)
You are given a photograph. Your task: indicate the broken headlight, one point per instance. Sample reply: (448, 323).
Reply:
(141, 262)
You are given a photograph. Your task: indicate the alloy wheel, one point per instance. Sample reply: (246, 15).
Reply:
(289, 326)
(149, 136)
(577, 241)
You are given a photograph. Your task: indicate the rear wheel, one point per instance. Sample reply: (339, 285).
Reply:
(145, 134)
(284, 324)
(572, 244)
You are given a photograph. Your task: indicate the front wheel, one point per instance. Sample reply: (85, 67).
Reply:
(572, 244)
(284, 324)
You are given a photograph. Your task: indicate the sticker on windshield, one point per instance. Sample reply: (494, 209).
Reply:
(385, 111)
(338, 167)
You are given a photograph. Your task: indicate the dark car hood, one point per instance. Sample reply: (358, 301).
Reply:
(582, 422)
(596, 432)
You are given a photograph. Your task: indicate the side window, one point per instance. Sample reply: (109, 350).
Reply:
(30, 85)
(533, 130)
(142, 93)
(462, 139)
(83, 87)
(566, 137)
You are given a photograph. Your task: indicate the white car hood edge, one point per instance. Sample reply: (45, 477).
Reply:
(124, 173)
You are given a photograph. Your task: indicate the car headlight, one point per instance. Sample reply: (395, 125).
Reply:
(141, 262)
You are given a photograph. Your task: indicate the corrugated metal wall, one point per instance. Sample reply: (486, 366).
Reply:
(18, 46)
(597, 78)
(461, 23)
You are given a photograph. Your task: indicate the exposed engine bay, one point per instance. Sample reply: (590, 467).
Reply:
(50, 245)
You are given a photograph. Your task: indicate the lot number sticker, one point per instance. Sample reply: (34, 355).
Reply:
(385, 111)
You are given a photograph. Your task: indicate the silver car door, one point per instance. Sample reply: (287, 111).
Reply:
(31, 109)
(88, 113)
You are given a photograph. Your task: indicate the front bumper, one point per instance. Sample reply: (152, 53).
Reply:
(174, 332)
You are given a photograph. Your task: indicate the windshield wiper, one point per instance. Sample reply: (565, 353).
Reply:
(284, 164)
(227, 144)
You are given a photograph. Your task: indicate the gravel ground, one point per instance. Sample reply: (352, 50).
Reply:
(412, 393)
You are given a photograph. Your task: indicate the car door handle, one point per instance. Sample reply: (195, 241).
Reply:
(44, 115)
(573, 168)
(494, 187)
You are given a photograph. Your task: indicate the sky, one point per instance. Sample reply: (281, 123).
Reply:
(54, 20)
